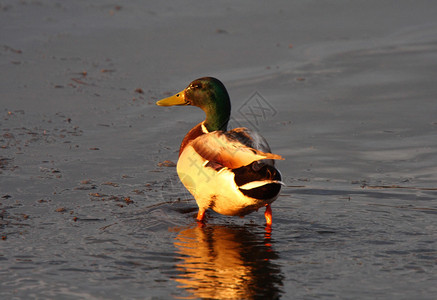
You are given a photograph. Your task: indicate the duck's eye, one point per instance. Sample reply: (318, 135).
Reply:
(196, 86)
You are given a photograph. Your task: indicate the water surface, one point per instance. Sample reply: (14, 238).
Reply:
(89, 210)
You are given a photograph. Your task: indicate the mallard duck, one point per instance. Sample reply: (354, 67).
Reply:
(232, 172)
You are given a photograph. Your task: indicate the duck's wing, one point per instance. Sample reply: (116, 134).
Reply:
(254, 140)
(250, 138)
(233, 149)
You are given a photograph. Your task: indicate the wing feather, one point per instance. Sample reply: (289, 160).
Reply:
(232, 149)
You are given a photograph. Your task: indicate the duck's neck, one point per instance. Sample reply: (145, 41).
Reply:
(217, 114)
(215, 120)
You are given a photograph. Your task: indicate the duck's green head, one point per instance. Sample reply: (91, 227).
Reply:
(210, 95)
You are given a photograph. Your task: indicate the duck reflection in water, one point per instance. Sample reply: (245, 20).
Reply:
(227, 262)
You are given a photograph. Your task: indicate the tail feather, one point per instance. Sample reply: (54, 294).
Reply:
(262, 183)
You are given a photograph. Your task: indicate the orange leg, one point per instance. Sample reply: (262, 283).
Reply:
(201, 215)
(268, 215)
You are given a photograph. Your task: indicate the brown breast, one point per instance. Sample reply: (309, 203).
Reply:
(191, 135)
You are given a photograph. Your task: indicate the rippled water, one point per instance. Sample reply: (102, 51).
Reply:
(89, 208)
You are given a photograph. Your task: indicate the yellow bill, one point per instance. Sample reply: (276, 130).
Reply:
(177, 99)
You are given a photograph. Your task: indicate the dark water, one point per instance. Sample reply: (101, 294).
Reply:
(345, 91)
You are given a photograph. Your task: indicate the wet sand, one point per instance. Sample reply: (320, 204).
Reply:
(89, 210)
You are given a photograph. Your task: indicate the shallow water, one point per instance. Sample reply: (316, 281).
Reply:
(88, 210)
